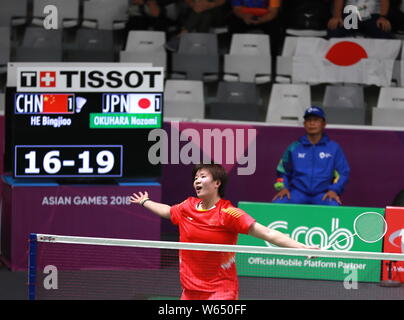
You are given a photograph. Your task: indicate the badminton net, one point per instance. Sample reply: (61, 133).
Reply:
(76, 268)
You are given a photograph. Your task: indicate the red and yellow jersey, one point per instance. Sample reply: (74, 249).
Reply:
(206, 270)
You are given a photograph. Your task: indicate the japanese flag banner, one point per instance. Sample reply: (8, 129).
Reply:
(345, 60)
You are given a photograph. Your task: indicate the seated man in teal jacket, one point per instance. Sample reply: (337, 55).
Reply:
(312, 170)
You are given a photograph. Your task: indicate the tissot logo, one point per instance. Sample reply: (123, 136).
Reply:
(70, 79)
(47, 79)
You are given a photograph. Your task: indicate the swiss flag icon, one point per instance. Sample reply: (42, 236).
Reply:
(47, 79)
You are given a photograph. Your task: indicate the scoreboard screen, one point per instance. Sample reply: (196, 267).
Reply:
(72, 122)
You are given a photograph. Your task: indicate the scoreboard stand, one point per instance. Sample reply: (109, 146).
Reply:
(76, 147)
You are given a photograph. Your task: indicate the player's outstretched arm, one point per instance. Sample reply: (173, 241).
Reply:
(161, 209)
(275, 237)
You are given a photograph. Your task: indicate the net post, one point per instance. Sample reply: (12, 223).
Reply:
(32, 265)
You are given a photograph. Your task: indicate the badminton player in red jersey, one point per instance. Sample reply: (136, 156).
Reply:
(208, 218)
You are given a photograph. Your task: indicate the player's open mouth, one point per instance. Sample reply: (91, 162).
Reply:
(198, 188)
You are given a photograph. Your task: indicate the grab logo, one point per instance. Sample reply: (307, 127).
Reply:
(317, 235)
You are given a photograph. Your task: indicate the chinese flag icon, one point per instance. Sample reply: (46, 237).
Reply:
(55, 103)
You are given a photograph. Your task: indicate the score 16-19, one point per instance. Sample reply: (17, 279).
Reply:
(68, 161)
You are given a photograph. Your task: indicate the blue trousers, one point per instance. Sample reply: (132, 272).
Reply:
(299, 197)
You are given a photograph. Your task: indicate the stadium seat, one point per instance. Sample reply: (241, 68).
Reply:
(197, 57)
(388, 117)
(4, 48)
(250, 44)
(145, 41)
(347, 116)
(249, 59)
(40, 44)
(390, 108)
(344, 96)
(91, 45)
(105, 14)
(184, 99)
(284, 62)
(391, 98)
(68, 12)
(345, 104)
(198, 44)
(235, 101)
(287, 103)
(13, 12)
(145, 46)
